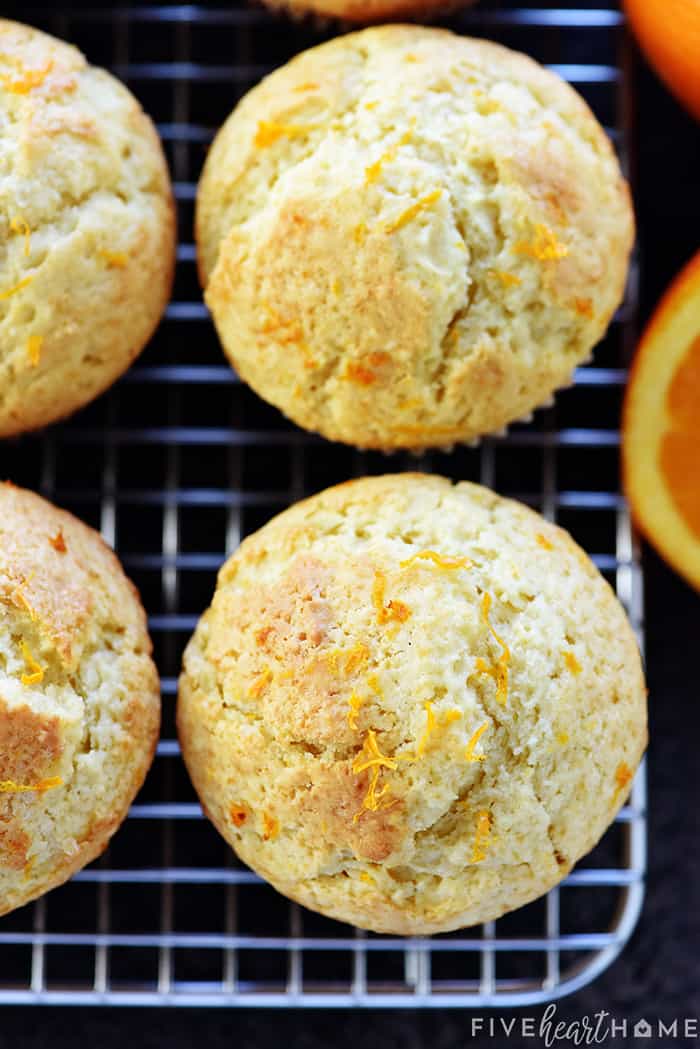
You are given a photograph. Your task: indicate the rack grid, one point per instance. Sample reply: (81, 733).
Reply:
(180, 460)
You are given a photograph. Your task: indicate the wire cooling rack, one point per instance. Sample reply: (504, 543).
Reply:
(180, 460)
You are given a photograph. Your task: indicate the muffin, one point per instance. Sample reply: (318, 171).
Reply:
(410, 238)
(367, 10)
(87, 229)
(79, 696)
(411, 706)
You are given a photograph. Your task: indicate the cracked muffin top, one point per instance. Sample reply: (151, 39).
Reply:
(409, 238)
(87, 229)
(79, 696)
(412, 706)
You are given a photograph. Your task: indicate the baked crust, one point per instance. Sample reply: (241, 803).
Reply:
(79, 696)
(87, 226)
(409, 238)
(447, 641)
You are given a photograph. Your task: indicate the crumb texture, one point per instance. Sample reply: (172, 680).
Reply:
(79, 696)
(412, 706)
(409, 238)
(87, 229)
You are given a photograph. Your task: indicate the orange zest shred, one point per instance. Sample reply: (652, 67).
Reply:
(346, 660)
(371, 757)
(572, 662)
(508, 280)
(271, 827)
(9, 292)
(355, 702)
(562, 738)
(410, 213)
(262, 635)
(8, 786)
(373, 683)
(433, 725)
(269, 131)
(544, 542)
(238, 814)
(469, 752)
(623, 775)
(501, 668)
(481, 837)
(360, 374)
(114, 259)
(260, 683)
(34, 344)
(308, 85)
(544, 246)
(58, 542)
(21, 226)
(584, 307)
(395, 610)
(363, 372)
(374, 170)
(427, 731)
(447, 563)
(26, 79)
(291, 331)
(286, 332)
(20, 597)
(356, 658)
(499, 673)
(36, 671)
(450, 716)
(367, 877)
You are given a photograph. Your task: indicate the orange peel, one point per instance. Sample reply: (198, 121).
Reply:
(661, 427)
(668, 32)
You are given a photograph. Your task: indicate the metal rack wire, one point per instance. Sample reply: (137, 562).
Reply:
(176, 464)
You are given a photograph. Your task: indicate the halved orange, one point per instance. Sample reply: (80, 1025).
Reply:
(661, 427)
(668, 32)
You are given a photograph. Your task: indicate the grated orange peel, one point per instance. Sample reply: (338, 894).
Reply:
(392, 610)
(372, 758)
(8, 786)
(482, 834)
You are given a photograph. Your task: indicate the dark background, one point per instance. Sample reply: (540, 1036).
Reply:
(658, 974)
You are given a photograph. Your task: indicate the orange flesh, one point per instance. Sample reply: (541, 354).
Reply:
(679, 452)
(669, 32)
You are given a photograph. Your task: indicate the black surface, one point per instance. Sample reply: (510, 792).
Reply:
(658, 974)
